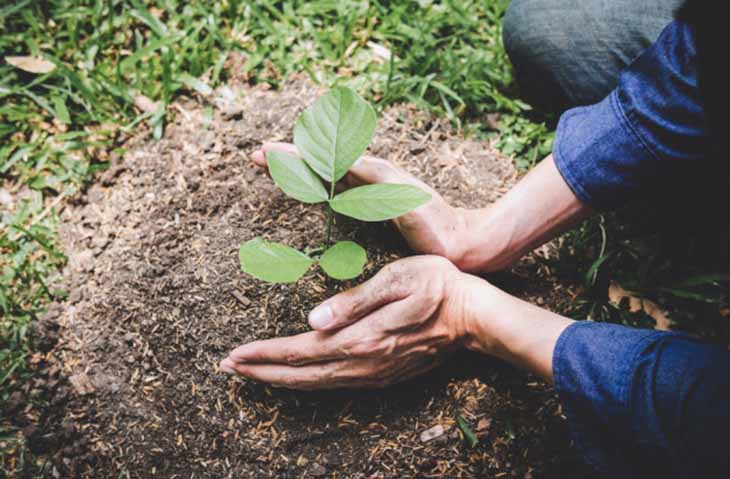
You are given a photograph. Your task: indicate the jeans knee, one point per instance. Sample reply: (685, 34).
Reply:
(571, 52)
(530, 42)
(521, 26)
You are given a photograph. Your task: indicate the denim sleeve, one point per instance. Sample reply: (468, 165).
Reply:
(643, 403)
(645, 135)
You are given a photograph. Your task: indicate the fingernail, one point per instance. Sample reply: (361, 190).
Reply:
(227, 366)
(258, 156)
(321, 317)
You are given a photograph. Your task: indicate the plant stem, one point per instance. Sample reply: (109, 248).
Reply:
(330, 217)
(328, 234)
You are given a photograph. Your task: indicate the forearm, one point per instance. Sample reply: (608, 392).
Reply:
(506, 327)
(538, 208)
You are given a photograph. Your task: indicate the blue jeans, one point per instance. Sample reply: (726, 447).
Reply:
(570, 52)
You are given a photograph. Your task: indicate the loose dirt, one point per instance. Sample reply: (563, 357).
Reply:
(157, 298)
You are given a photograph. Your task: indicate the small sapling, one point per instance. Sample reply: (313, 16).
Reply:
(330, 135)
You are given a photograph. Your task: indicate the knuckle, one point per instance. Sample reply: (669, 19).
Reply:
(360, 348)
(434, 287)
(350, 307)
(380, 383)
(398, 280)
(440, 261)
(433, 351)
(368, 347)
(292, 357)
(388, 269)
(383, 370)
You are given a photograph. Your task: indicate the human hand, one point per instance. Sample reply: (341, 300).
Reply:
(395, 326)
(434, 228)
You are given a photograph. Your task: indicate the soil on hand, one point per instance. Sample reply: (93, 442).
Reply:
(157, 299)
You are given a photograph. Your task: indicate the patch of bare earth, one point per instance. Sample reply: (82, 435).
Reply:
(158, 298)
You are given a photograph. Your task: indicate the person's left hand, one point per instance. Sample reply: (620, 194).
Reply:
(434, 228)
(388, 329)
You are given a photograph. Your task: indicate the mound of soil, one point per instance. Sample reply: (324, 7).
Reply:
(158, 298)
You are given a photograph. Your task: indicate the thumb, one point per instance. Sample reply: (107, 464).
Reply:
(259, 156)
(369, 170)
(356, 303)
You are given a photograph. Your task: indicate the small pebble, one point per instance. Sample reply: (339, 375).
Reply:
(433, 433)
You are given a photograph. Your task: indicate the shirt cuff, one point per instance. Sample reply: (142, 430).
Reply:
(599, 154)
(593, 365)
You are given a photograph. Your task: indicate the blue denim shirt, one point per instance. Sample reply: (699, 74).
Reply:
(642, 403)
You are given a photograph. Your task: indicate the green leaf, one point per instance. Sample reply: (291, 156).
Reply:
(196, 84)
(59, 104)
(334, 132)
(142, 14)
(704, 279)
(592, 273)
(379, 202)
(273, 262)
(344, 260)
(471, 438)
(295, 178)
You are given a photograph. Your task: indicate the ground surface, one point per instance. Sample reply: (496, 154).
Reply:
(157, 299)
(58, 131)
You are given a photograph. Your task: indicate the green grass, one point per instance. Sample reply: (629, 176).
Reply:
(682, 267)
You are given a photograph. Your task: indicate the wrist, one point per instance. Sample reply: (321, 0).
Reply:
(483, 312)
(467, 303)
(500, 325)
(481, 242)
(462, 243)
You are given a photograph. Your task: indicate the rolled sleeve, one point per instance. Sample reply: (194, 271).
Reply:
(644, 403)
(596, 152)
(645, 136)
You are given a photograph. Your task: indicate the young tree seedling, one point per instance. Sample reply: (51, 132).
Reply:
(330, 135)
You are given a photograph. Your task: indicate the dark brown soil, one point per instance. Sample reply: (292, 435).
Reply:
(158, 298)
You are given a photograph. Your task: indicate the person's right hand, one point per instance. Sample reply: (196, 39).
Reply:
(400, 323)
(434, 228)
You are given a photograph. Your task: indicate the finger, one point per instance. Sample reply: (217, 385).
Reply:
(418, 368)
(295, 350)
(259, 156)
(294, 377)
(334, 375)
(364, 339)
(331, 375)
(345, 308)
(370, 170)
(402, 316)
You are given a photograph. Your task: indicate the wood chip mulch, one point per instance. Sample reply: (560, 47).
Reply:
(158, 298)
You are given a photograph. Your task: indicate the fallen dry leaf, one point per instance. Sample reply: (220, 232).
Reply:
(6, 199)
(484, 424)
(449, 158)
(380, 51)
(82, 384)
(492, 121)
(616, 294)
(145, 104)
(157, 12)
(31, 64)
